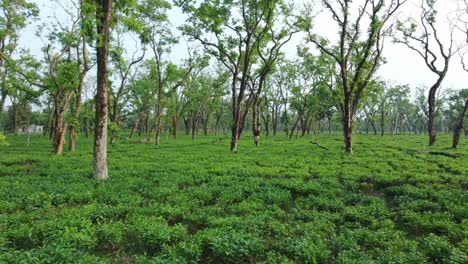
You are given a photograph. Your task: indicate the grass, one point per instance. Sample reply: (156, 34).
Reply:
(394, 201)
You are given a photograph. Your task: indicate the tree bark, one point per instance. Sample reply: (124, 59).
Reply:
(59, 135)
(431, 115)
(348, 126)
(103, 16)
(256, 123)
(459, 126)
(2, 100)
(195, 121)
(244, 114)
(205, 124)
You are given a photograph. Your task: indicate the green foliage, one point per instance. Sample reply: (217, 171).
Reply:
(3, 141)
(287, 202)
(14, 17)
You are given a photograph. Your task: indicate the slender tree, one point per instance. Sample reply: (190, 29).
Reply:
(103, 21)
(461, 106)
(423, 38)
(124, 70)
(356, 57)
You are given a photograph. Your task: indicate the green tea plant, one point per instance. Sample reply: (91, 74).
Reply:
(394, 201)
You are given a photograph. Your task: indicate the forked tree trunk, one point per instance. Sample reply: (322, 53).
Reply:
(103, 16)
(293, 129)
(59, 134)
(59, 139)
(459, 126)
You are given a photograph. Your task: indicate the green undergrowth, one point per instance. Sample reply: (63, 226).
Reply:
(395, 200)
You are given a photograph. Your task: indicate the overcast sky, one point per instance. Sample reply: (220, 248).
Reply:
(403, 65)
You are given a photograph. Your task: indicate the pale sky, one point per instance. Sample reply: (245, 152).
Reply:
(403, 65)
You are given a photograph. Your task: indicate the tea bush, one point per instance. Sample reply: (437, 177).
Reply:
(394, 201)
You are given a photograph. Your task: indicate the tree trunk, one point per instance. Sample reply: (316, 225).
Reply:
(15, 119)
(256, 124)
(4, 89)
(275, 126)
(395, 125)
(60, 130)
(88, 128)
(187, 126)
(382, 124)
(205, 124)
(175, 125)
(72, 139)
(431, 123)
(195, 121)
(235, 131)
(158, 129)
(103, 16)
(373, 127)
(73, 123)
(348, 128)
(234, 138)
(459, 126)
(218, 121)
(2, 100)
(135, 127)
(293, 128)
(266, 123)
(60, 139)
(147, 120)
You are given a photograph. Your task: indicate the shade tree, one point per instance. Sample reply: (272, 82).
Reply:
(423, 37)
